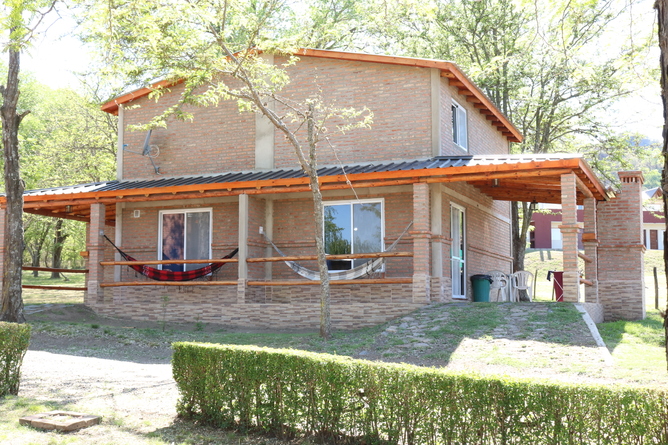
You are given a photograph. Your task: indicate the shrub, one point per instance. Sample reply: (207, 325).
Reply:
(14, 341)
(289, 392)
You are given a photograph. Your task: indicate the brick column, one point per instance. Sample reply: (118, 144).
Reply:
(243, 249)
(569, 234)
(621, 251)
(438, 286)
(590, 241)
(421, 243)
(95, 249)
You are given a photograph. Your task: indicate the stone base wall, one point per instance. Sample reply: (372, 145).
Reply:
(307, 316)
(595, 311)
(623, 299)
(272, 307)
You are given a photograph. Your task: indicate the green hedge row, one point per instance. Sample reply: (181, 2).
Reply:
(14, 341)
(288, 392)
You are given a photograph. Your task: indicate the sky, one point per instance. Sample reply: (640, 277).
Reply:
(57, 55)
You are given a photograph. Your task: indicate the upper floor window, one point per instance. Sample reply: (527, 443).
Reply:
(459, 126)
(353, 227)
(185, 235)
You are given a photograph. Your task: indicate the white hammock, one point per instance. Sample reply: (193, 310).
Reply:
(366, 269)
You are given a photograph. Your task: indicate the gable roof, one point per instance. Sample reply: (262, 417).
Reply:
(449, 70)
(502, 177)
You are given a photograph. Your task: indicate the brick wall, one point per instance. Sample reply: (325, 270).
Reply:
(294, 229)
(487, 232)
(221, 139)
(217, 139)
(621, 253)
(483, 138)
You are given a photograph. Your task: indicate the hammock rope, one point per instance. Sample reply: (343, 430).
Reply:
(366, 269)
(170, 275)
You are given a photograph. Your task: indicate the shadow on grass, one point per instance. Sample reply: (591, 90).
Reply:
(647, 332)
(186, 432)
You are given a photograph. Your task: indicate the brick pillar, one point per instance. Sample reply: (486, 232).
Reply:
(438, 284)
(243, 249)
(569, 234)
(621, 251)
(590, 241)
(95, 247)
(421, 243)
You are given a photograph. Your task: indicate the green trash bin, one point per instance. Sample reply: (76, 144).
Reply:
(480, 285)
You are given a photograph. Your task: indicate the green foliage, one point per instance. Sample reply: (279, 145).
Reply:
(14, 341)
(289, 392)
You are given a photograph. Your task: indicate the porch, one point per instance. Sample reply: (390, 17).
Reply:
(254, 289)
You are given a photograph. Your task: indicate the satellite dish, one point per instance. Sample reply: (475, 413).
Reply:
(146, 151)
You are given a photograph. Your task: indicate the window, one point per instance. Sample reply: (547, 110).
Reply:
(353, 227)
(459, 126)
(184, 235)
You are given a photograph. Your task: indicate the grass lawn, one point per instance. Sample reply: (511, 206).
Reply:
(637, 347)
(45, 296)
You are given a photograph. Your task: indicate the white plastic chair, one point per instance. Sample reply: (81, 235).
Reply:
(500, 284)
(521, 280)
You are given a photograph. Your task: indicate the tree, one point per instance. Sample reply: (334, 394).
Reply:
(19, 20)
(37, 230)
(65, 139)
(199, 44)
(661, 7)
(541, 63)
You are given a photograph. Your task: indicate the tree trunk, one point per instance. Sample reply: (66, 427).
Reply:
(318, 214)
(36, 251)
(662, 19)
(12, 299)
(58, 242)
(520, 225)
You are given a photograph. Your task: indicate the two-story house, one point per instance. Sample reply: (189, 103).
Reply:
(433, 175)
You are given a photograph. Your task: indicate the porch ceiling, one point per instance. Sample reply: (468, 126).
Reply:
(503, 177)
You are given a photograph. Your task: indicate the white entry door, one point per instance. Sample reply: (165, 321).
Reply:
(458, 251)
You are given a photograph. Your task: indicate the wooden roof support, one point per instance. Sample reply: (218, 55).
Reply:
(582, 188)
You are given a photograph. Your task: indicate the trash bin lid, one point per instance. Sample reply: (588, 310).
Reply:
(481, 277)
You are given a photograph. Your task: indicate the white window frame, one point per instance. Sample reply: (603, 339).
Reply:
(351, 202)
(185, 239)
(464, 258)
(460, 134)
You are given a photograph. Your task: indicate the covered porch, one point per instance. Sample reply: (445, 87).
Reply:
(420, 270)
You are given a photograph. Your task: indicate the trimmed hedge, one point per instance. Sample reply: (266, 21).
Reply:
(14, 341)
(289, 392)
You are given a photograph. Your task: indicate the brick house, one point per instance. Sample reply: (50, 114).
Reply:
(436, 157)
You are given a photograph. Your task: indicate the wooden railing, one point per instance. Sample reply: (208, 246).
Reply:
(50, 269)
(261, 260)
(586, 260)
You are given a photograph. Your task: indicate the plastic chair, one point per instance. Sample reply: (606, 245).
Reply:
(500, 284)
(521, 280)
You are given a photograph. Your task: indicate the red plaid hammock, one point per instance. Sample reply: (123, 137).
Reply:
(170, 275)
